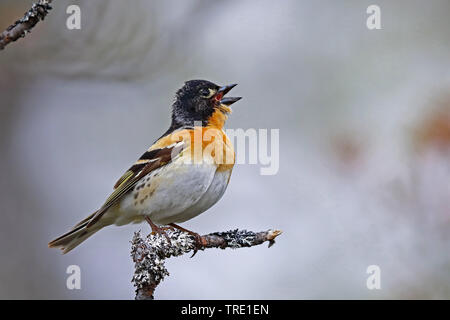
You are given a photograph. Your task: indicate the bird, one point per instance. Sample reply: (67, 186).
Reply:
(181, 175)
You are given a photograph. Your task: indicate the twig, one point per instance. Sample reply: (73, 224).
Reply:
(149, 253)
(21, 27)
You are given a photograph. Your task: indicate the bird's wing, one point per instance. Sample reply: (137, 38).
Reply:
(149, 161)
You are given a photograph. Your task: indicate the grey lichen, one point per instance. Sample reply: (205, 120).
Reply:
(237, 238)
(150, 252)
(38, 10)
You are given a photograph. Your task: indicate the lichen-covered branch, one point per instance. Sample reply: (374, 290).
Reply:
(21, 27)
(150, 252)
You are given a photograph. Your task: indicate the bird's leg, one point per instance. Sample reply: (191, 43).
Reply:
(157, 230)
(197, 238)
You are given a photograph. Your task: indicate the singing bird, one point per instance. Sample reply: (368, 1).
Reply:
(183, 173)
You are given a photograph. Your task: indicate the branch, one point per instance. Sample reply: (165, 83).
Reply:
(21, 27)
(149, 253)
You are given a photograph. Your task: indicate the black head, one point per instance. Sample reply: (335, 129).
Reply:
(197, 100)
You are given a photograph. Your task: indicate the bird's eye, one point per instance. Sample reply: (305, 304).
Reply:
(206, 93)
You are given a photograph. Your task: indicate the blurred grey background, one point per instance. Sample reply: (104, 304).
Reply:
(364, 119)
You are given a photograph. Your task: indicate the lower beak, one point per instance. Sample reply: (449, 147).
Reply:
(229, 101)
(223, 91)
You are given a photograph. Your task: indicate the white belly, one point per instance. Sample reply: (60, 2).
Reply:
(210, 197)
(174, 193)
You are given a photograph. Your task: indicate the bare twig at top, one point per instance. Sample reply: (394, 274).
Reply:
(23, 26)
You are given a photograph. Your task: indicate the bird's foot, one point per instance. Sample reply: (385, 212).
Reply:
(198, 240)
(158, 230)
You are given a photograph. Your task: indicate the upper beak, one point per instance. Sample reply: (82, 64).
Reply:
(223, 91)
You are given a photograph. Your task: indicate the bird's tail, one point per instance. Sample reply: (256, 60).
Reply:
(77, 235)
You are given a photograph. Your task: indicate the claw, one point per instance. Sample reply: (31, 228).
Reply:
(198, 243)
(195, 252)
(158, 230)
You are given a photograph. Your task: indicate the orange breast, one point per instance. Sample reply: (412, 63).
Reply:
(204, 143)
(208, 143)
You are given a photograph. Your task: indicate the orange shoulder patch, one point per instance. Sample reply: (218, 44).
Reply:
(172, 138)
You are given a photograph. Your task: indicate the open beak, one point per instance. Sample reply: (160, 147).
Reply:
(223, 91)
